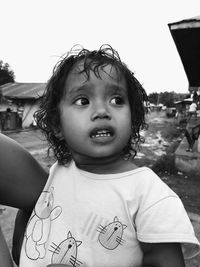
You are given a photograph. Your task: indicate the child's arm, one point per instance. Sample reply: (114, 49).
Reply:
(162, 255)
(5, 258)
(21, 176)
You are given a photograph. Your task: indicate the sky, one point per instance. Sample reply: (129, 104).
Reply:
(35, 33)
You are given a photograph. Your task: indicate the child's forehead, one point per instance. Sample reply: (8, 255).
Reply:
(82, 68)
(80, 75)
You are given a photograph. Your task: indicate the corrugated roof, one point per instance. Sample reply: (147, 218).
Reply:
(22, 90)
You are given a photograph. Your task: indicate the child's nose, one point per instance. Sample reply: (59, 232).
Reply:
(100, 112)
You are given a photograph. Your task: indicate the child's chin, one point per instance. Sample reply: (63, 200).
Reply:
(103, 155)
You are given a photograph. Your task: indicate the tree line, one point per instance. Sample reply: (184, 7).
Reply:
(167, 98)
(6, 74)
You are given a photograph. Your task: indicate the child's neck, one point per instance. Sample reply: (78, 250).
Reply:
(116, 164)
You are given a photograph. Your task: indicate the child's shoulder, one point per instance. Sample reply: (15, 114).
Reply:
(131, 167)
(145, 178)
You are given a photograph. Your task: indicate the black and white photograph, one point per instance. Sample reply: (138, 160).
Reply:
(100, 133)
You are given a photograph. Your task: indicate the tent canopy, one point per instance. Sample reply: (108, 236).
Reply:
(186, 35)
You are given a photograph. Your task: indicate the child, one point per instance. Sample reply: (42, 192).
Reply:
(97, 208)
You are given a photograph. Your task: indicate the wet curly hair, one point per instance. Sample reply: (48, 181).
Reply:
(48, 115)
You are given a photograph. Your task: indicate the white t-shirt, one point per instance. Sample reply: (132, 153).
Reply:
(193, 107)
(95, 220)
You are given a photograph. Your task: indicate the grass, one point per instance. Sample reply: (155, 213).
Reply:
(166, 163)
(173, 133)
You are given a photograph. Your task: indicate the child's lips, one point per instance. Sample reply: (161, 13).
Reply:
(102, 134)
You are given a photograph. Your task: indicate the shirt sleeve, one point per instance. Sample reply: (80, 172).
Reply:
(162, 218)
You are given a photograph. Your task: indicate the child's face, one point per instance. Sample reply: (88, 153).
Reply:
(95, 114)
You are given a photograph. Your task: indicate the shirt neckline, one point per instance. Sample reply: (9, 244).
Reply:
(109, 176)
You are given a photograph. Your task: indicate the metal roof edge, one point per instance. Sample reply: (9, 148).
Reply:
(185, 23)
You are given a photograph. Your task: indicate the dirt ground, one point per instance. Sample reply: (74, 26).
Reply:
(157, 143)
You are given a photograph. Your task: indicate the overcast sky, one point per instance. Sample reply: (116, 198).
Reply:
(35, 33)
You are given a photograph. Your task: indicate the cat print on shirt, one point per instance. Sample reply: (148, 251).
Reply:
(39, 225)
(66, 251)
(110, 236)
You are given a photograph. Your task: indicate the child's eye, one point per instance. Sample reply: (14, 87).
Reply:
(82, 101)
(117, 100)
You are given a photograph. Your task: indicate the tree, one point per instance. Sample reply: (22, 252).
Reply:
(167, 99)
(6, 74)
(153, 98)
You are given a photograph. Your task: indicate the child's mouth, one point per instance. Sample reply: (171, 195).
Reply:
(101, 133)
